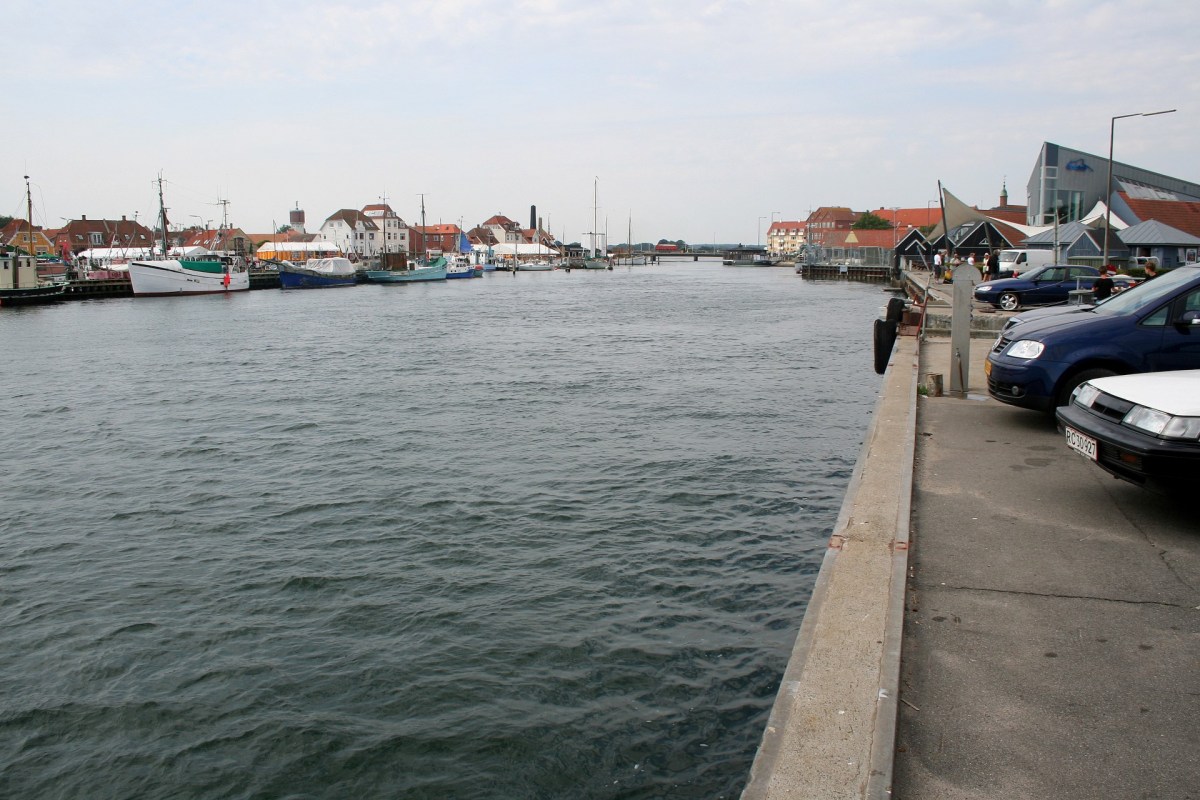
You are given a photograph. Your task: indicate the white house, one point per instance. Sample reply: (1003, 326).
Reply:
(392, 229)
(354, 233)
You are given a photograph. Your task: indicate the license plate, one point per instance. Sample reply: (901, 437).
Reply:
(1084, 445)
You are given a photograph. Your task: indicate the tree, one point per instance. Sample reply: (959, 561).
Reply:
(5, 220)
(871, 222)
(284, 229)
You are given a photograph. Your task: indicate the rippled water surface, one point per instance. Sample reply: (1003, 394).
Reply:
(535, 536)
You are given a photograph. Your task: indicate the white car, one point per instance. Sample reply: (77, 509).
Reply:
(1143, 428)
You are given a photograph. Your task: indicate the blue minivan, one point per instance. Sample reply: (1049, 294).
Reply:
(1153, 327)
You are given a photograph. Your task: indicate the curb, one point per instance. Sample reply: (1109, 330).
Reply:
(831, 732)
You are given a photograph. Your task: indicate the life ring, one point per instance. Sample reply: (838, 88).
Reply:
(885, 339)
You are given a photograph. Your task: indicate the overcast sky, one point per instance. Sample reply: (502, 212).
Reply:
(696, 118)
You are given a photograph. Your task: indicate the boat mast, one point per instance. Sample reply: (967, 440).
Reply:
(162, 217)
(16, 283)
(595, 209)
(424, 235)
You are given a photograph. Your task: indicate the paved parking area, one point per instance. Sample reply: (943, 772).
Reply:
(1052, 624)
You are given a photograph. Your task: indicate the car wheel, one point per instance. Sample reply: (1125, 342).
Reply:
(1071, 381)
(1010, 301)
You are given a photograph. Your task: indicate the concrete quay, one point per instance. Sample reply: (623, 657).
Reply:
(995, 617)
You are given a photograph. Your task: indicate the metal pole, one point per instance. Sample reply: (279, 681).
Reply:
(1112, 128)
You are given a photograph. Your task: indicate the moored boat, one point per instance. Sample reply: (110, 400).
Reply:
(172, 276)
(460, 267)
(435, 271)
(19, 284)
(200, 275)
(317, 273)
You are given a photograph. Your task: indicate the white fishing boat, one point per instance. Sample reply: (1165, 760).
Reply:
(172, 276)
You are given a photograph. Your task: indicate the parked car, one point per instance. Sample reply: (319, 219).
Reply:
(1141, 428)
(1153, 328)
(1122, 283)
(1038, 287)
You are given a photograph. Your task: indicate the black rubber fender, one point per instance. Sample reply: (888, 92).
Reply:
(895, 309)
(885, 340)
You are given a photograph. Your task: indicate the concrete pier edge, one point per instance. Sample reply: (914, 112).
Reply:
(807, 749)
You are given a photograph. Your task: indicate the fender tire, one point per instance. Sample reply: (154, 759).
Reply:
(884, 337)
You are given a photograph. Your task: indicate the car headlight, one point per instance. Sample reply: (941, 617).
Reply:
(1162, 424)
(1026, 348)
(1084, 395)
(983, 287)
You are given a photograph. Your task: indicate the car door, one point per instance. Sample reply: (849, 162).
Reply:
(1048, 287)
(1180, 347)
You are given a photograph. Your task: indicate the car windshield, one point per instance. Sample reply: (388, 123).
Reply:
(1147, 294)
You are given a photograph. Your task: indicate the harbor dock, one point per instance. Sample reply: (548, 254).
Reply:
(995, 616)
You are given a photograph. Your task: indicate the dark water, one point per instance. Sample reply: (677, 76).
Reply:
(542, 536)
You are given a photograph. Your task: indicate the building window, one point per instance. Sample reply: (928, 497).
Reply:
(96, 239)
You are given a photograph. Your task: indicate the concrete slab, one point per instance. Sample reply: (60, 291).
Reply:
(1051, 637)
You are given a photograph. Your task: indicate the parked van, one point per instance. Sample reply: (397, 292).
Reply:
(1017, 261)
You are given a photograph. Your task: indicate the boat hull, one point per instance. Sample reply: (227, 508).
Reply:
(301, 278)
(173, 277)
(407, 276)
(34, 295)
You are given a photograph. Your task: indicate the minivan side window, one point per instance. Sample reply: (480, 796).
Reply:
(1056, 274)
(1159, 318)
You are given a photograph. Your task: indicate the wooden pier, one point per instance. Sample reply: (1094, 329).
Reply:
(854, 272)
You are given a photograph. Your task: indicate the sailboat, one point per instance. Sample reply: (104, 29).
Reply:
(593, 261)
(435, 271)
(18, 273)
(172, 276)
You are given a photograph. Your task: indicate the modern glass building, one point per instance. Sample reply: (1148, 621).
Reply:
(1070, 183)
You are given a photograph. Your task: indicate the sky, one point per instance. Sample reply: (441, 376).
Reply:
(701, 120)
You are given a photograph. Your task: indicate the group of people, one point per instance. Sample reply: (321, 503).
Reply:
(944, 270)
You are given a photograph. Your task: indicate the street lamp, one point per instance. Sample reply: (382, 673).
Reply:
(1112, 127)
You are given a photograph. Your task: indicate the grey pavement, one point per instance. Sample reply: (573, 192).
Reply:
(1052, 622)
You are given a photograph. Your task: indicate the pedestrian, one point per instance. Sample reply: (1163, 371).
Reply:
(1151, 269)
(937, 265)
(970, 259)
(1102, 289)
(993, 265)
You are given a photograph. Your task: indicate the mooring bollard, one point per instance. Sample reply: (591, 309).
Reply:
(933, 384)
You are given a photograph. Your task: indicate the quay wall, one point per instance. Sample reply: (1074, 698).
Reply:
(831, 732)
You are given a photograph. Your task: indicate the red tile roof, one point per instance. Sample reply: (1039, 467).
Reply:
(1179, 214)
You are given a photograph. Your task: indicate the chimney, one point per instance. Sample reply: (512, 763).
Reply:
(83, 217)
(533, 217)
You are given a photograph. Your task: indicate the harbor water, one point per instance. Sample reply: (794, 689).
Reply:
(543, 535)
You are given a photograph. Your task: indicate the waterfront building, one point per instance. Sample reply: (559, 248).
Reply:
(826, 220)
(1070, 183)
(220, 241)
(83, 233)
(785, 237)
(17, 234)
(504, 230)
(444, 237)
(355, 234)
(393, 230)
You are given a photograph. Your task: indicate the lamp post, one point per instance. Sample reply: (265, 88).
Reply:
(773, 213)
(1112, 127)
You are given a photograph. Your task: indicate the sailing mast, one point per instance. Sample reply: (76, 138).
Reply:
(16, 279)
(162, 217)
(595, 209)
(424, 235)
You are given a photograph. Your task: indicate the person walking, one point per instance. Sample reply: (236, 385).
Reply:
(937, 265)
(993, 265)
(1102, 289)
(1151, 269)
